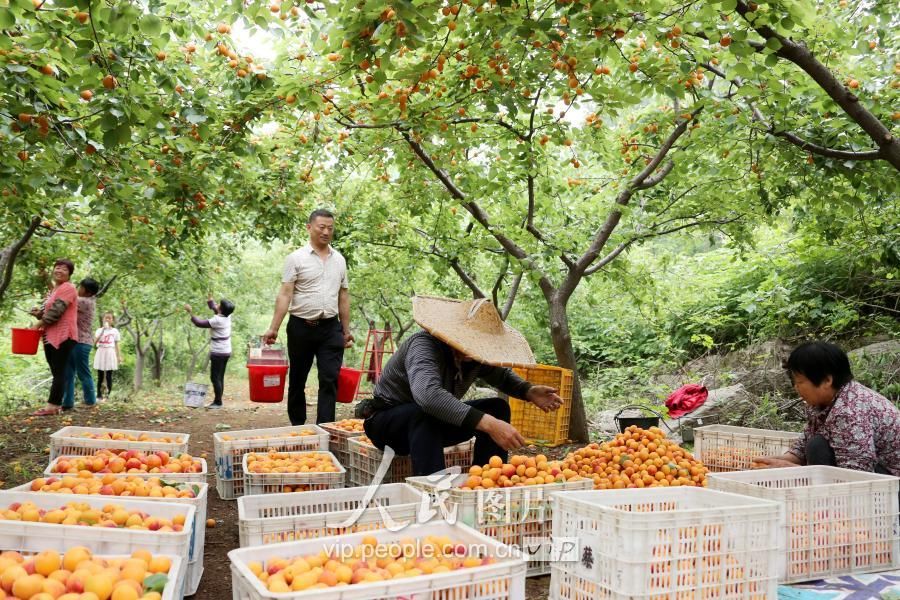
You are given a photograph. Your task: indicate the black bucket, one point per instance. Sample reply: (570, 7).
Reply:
(624, 423)
(642, 422)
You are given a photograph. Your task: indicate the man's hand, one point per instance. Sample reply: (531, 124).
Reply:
(270, 336)
(187, 308)
(348, 339)
(544, 397)
(501, 432)
(771, 462)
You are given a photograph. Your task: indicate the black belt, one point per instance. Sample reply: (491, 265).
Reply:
(316, 322)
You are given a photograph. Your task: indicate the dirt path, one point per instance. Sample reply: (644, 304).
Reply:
(24, 453)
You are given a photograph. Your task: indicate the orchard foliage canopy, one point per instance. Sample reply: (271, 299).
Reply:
(505, 142)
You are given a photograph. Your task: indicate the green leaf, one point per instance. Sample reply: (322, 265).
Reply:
(110, 139)
(108, 121)
(773, 44)
(7, 18)
(156, 583)
(123, 133)
(151, 25)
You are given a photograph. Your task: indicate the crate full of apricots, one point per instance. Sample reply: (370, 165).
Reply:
(509, 502)
(835, 521)
(182, 468)
(273, 518)
(231, 446)
(278, 472)
(434, 560)
(338, 434)
(665, 542)
(365, 459)
(153, 489)
(637, 458)
(35, 522)
(84, 441)
(75, 572)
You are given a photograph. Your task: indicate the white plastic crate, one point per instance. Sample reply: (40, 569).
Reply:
(275, 518)
(836, 521)
(35, 537)
(681, 542)
(70, 441)
(173, 477)
(337, 442)
(198, 539)
(503, 580)
(521, 517)
(365, 459)
(723, 448)
(229, 453)
(172, 591)
(275, 483)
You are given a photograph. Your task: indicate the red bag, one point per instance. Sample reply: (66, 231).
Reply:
(686, 399)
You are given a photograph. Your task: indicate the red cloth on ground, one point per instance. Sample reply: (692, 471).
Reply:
(686, 399)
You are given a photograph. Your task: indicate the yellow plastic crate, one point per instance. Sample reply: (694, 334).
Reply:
(538, 427)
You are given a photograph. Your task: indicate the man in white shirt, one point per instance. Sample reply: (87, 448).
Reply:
(315, 291)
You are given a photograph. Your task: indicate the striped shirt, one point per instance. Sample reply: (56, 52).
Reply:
(424, 371)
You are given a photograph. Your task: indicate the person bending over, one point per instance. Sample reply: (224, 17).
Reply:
(416, 408)
(848, 425)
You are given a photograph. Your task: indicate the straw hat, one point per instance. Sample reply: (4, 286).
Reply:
(473, 327)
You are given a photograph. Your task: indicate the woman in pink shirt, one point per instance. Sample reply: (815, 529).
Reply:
(59, 320)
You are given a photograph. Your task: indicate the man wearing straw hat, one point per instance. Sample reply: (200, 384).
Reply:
(416, 407)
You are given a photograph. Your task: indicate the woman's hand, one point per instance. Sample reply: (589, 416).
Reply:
(544, 397)
(771, 462)
(505, 435)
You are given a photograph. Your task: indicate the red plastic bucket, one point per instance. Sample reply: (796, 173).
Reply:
(267, 382)
(348, 383)
(25, 341)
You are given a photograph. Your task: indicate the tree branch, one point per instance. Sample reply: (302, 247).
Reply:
(800, 55)
(511, 297)
(466, 278)
(529, 220)
(657, 177)
(477, 212)
(624, 245)
(612, 220)
(106, 286)
(811, 147)
(8, 255)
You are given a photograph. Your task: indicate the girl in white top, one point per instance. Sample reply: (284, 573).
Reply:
(108, 355)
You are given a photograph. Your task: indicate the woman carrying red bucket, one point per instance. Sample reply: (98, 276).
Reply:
(59, 322)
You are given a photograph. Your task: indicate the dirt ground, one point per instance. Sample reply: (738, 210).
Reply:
(24, 454)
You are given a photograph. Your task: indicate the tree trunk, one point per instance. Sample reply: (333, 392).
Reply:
(159, 353)
(9, 254)
(138, 380)
(195, 356)
(565, 356)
